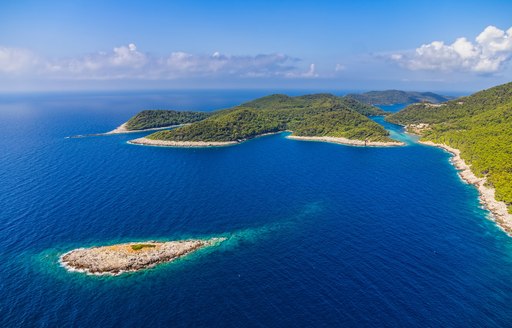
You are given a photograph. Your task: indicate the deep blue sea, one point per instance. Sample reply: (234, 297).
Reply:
(319, 235)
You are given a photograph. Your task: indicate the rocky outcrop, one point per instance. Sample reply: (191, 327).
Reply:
(129, 257)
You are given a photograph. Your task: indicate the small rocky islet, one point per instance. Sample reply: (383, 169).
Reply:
(131, 257)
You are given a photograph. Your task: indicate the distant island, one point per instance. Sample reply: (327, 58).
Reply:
(478, 130)
(317, 117)
(391, 97)
(130, 257)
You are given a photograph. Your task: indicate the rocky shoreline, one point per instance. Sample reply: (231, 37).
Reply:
(200, 144)
(122, 129)
(487, 194)
(193, 144)
(187, 144)
(130, 257)
(349, 142)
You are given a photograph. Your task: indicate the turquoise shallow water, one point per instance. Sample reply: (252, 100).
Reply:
(318, 234)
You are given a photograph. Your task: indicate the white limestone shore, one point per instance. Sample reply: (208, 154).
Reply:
(200, 144)
(349, 142)
(193, 144)
(130, 257)
(122, 129)
(186, 144)
(498, 209)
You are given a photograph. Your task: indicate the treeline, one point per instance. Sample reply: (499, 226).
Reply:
(149, 119)
(480, 126)
(390, 97)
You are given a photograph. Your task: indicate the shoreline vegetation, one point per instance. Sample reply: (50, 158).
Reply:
(117, 259)
(487, 197)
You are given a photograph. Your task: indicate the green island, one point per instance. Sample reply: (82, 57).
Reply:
(478, 126)
(317, 117)
(391, 97)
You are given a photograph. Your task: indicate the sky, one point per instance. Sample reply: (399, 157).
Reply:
(444, 46)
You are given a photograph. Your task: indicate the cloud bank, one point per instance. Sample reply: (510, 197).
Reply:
(16, 61)
(489, 53)
(127, 62)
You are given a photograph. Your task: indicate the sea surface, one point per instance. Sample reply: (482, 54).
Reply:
(393, 108)
(319, 235)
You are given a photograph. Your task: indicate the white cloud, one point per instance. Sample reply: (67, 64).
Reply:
(128, 56)
(14, 60)
(339, 68)
(179, 63)
(310, 73)
(489, 52)
(127, 62)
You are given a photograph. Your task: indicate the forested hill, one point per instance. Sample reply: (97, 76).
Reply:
(390, 97)
(311, 115)
(148, 119)
(480, 126)
(316, 101)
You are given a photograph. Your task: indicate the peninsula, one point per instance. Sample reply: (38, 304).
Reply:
(477, 130)
(318, 117)
(157, 119)
(130, 257)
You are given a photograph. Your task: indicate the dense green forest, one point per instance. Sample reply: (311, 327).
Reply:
(316, 101)
(390, 97)
(480, 126)
(311, 115)
(148, 119)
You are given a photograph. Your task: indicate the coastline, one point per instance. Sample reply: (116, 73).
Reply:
(192, 144)
(498, 209)
(180, 144)
(122, 129)
(205, 144)
(348, 142)
(117, 259)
